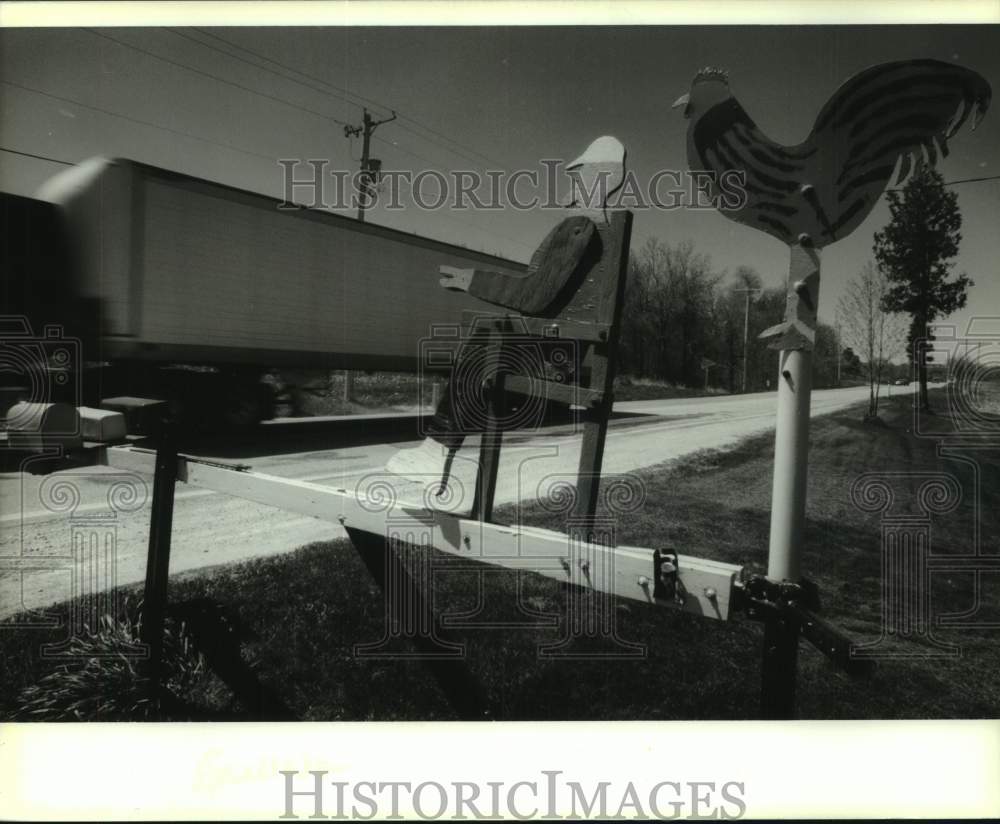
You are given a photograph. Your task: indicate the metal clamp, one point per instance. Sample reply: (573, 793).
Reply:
(761, 598)
(666, 579)
(765, 600)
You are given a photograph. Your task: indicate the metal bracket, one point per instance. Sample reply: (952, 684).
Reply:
(667, 585)
(765, 600)
(760, 597)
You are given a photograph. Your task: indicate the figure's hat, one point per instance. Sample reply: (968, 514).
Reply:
(606, 149)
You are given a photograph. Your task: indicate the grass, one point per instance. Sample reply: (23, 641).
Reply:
(371, 392)
(374, 392)
(301, 614)
(100, 676)
(646, 389)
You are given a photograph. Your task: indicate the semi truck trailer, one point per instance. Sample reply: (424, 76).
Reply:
(192, 289)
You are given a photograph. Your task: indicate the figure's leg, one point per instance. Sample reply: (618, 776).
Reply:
(433, 458)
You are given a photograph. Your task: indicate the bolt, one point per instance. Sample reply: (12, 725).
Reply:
(710, 593)
(585, 566)
(467, 541)
(643, 582)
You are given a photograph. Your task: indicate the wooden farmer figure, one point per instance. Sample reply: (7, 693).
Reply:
(892, 116)
(545, 291)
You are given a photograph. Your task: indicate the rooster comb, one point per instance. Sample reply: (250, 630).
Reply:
(712, 73)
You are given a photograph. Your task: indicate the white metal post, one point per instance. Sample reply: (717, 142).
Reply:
(794, 339)
(791, 438)
(791, 456)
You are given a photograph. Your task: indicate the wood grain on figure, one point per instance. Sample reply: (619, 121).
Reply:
(553, 265)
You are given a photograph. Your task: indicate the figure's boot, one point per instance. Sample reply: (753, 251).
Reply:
(431, 460)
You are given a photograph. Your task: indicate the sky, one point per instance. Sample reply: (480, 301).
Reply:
(475, 98)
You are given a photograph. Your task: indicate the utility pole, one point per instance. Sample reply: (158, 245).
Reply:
(706, 364)
(370, 167)
(839, 353)
(746, 331)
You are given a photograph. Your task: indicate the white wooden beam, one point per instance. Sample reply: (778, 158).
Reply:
(704, 587)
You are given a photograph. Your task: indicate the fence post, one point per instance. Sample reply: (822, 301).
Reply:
(158, 559)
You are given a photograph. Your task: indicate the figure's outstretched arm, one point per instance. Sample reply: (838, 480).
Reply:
(552, 267)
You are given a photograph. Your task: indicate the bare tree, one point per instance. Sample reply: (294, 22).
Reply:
(669, 319)
(875, 335)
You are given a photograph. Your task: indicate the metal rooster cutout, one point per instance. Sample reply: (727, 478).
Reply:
(813, 194)
(822, 189)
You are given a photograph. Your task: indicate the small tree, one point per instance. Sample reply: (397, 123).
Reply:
(915, 251)
(850, 362)
(874, 334)
(825, 357)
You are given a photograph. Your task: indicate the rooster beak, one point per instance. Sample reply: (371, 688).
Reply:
(683, 100)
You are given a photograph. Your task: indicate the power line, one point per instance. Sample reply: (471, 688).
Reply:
(361, 97)
(37, 156)
(410, 152)
(487, 158)
(323, 91)
(295, 80)
(141, 122)
(443, 216)
(971, 180)
(217, 78)
(251, 63)
(954, 182)
(446, 217)
(328, 87)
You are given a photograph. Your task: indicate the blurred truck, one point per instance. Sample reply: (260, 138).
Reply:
(189, 290)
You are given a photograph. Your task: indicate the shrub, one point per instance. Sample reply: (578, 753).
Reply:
(105, 681)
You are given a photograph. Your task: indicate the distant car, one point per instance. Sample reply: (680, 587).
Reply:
(902, 382)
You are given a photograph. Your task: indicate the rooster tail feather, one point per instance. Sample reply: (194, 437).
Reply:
(942, 144)
(904, 167)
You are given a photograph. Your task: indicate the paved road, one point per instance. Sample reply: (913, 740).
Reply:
(40, 514)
